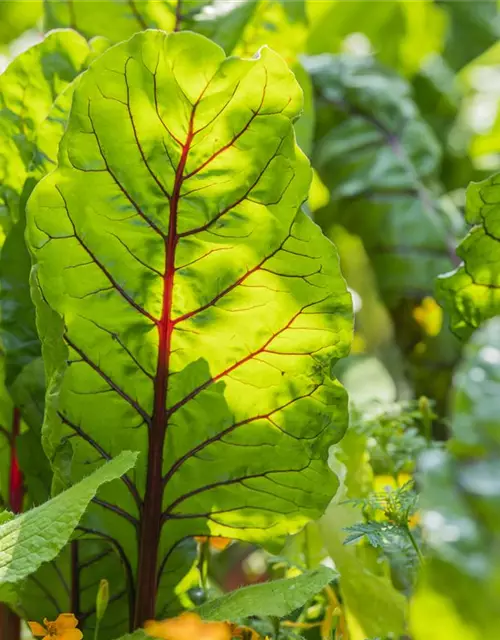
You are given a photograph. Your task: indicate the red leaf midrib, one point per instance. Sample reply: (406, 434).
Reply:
(152, 508)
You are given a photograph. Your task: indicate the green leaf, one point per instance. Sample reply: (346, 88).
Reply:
(28, 88)
(472, 291)
(460, 506)
(16, 16)
(372, 604)
(380, 160)
(198, 305)
(6, 424)
(38, 535)
(277, 598)
(221, 21)
(473, 28)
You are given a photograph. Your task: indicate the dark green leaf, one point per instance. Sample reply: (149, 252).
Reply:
(474, 27)
(380, 161)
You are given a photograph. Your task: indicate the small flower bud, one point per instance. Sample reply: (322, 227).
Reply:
(102, 599)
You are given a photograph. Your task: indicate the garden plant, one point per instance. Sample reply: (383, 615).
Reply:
(249, 319)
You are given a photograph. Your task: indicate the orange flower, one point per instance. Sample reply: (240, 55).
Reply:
(64, 628)
(216, 542)
(188, 626)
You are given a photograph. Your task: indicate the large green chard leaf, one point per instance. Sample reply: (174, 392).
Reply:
(35, 537)
(379, 160)
(220, 20)
(460, 507)
(202, 312)
(472, 291)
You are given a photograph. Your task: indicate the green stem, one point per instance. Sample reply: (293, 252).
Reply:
(414, 543)
(96, 630)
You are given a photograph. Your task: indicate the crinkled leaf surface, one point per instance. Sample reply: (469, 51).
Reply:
(202, 314)
(460, 506)
(472, 291)
(276, 598)
(38, 535)
(379, 158)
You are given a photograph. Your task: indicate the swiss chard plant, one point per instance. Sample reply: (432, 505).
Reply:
(194, 440)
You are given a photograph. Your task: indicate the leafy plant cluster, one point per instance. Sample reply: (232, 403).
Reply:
(249, 300)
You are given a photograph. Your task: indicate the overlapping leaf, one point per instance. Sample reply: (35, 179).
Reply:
(379, 160)
(472, 291)
(277, 598)
(202, 314)
(27, 541)
(460, 506)
(28, 88)
(222, 21)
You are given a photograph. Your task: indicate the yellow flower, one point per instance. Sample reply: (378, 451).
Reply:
(64, 628)
(429, 316)
(188, 626)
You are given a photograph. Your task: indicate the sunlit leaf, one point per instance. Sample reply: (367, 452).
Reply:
(472, 291)
(16, 16)
(223, 21)
(28, 88)
(138, 251)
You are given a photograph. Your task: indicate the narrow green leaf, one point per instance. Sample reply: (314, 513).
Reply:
(201, 311)
(472, 291)
(277, 598)
(38, 535)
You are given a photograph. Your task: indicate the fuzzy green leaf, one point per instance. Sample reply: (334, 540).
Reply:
(277, 598)
(198, 305)
(38, 535)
